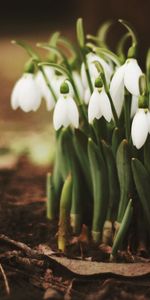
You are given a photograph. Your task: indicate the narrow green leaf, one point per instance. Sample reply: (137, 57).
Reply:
(123, 228)
(142, 183)
(64, 216)
(80, 33)
(100, 193)
(123, 161)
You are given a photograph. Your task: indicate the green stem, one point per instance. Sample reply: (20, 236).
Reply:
(113, 110)
(123, 228)
(127, 106)
(64, 216)
(87, 71)
(48, 83)
(50, 205)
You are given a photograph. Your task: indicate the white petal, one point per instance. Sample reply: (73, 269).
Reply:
(71, 91)
(49, 71)
(93, 70)
(83, 76)
(78, 83)
(29, 94)
(72, 112)
(134, 105)
(148, 120)
(132, 75)
(15, 94)
(87, 96)
(139, 129)
(94, 107)
(56, 83)
(40, 79)
(60, 117)
(117, 89)
(50, 102)
(105, 106)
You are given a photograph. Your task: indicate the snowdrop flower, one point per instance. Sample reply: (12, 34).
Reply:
(134, 105)
(78, 82)
(65, 112)
(128, 76)
(87, 95)
(93, 70)
(140, 128)
(26, 93)
(45, 91)
(99, 104)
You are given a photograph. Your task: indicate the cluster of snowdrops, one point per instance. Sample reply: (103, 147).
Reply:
(101, 117)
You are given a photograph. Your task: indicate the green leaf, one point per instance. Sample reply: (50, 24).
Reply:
(123, 228)
(142, 183)
(80, 33)
(123, 161)
(100, 193)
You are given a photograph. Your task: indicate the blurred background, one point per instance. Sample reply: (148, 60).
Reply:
(34, 21)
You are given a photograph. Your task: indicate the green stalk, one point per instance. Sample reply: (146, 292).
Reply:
(123, 160)
(50, 192)
(87, 72)
(147, 154)
(48, 82)
(80, 145)
(122, 229)
(142, 183)
(113, 110)
(64, 216)
(127, 107)
(113, 183)
(116, 140)
(63, 152)
(76, 207)
(100, 197)
(57, 175)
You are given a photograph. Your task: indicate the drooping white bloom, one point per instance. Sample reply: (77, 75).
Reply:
(87, 95)
(93, 70)
(78, 83)
(128, 76)
(45, 91)
(99, 106)
(140, 128)
(134, 105)
(56, 83)
(148, 120)
(132, 76)
(26, 93)
(117, 89)
(65, 112)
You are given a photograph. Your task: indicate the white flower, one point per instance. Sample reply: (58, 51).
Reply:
(87, 95)
(99, 106)
(78, 83)
(45, 91)
(148, 120)
(26, 94)
(139, 128)
(93, 70)
(65, 112)
(134, 105)
(56, 83)
(128, 76)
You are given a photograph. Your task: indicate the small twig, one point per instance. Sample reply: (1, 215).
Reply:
(5, 280)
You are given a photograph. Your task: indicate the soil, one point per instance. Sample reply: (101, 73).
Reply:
(29, 268)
